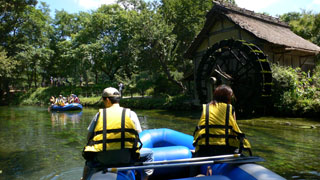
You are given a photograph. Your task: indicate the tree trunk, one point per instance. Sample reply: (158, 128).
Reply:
(96, 73)
(170, 77)
(29, 80)
(35, 78)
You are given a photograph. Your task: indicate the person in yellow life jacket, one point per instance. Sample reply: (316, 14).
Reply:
(217, 132)
(113, 137)
(60, 101)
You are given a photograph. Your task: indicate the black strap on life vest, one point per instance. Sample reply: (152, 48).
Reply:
(104, 115)
(104, 131)
(227, 136)
(207, 127)
(122, 130)
(227, 124)
(241, 137)
(113, 140)
(207, 124)
(211, 126)
(213, 136)
(117, 131)
(207, 134)
(123, 120)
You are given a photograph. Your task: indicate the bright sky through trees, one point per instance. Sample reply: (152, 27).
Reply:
(272, 7)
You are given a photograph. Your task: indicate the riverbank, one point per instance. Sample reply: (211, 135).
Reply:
(90, 97)
(146, 103)
(284, 106)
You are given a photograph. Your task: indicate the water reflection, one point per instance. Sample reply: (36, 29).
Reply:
(66, 175)
(63, 118)
(37, 144)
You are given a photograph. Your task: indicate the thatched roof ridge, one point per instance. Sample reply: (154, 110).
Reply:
(274, 34)
(264, 27)
(223, 6)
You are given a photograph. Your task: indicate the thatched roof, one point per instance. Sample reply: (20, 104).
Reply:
(262, 26)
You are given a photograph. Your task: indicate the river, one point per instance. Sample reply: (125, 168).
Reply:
(37, 144)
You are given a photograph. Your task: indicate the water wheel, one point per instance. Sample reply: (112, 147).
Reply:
(241, 65)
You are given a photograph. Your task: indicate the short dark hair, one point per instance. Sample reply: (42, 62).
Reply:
(112, 99)
(223, 93)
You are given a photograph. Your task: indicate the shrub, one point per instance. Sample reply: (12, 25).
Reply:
(294, 93)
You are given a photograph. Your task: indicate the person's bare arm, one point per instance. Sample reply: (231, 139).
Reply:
(91, 126)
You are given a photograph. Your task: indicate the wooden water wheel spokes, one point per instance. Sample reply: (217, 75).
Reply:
(240, 64)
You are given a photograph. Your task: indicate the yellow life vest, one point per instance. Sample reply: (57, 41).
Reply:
(218, 127)
(114, 130)
(61, 102)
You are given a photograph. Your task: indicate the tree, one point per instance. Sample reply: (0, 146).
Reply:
(12, 17)
(23, 29)
(169, 29)
(316, 30)
(187, 17)
(34, 61)
(151, 41)
(65, 62)
(306, 24)
(7, 68)
(35, 29)
(107, 38)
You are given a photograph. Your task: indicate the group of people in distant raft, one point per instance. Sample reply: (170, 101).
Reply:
(62, 101)
(111, 145)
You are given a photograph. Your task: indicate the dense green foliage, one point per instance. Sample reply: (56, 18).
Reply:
(294, 93)
(136, 42)
(129, 42)
(306, 24)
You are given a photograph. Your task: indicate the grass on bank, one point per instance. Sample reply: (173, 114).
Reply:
(41, 96)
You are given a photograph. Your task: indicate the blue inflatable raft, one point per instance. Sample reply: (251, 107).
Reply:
(172, 152)
(68, 107)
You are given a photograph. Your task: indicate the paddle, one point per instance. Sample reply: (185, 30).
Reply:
(191, 159)
(238, 160)
(249, 159)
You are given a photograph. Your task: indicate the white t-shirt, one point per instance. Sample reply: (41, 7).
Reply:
(133, 116)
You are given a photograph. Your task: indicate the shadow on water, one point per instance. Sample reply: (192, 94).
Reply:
(69, 174)
(19, 163)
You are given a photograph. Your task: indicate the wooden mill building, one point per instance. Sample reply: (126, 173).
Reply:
(273, 37)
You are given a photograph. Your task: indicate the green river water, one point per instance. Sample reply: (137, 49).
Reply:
(37, 144)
